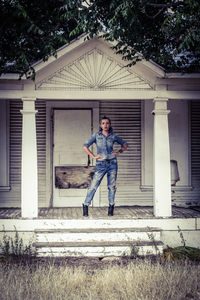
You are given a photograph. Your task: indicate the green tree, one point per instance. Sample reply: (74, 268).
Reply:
(167, 32)
(32, 30)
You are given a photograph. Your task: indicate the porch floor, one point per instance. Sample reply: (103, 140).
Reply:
(127, 212)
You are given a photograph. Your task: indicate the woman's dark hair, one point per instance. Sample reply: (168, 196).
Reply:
(105, 118)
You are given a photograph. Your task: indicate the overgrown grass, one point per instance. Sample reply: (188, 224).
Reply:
(137, 279)
(173, 275)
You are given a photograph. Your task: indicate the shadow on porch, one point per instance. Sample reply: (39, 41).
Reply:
(126, 212)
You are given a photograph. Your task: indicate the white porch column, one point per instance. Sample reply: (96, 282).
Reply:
(29, 173)
(161, 160)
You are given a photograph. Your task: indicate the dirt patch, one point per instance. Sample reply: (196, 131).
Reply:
(85, 262)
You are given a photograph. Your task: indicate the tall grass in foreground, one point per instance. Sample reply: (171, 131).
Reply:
(137, 280)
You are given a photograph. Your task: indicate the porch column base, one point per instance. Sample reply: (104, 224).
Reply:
(29, 172)
(161, 160)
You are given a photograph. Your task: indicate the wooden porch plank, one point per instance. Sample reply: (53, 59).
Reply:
(131, 212)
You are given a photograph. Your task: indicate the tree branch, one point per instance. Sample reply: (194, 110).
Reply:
(153, 17)
(165, 5)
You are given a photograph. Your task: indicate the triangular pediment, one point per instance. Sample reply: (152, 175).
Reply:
(94, 70)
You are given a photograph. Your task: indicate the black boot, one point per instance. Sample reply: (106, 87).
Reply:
(111, 209)
(85, 210)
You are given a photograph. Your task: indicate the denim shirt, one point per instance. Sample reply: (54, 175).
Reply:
(105, 144)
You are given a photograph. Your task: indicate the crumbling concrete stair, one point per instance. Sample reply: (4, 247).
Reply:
(96, 242)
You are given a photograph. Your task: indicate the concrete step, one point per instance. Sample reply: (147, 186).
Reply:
(92, 235)
(99, 249)
(99, 223)
(98, 242)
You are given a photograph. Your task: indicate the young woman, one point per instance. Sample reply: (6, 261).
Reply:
(106, 162)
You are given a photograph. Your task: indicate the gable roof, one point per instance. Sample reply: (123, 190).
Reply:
(79, 65)
(80, 41)
(93, 65)
(93, 70)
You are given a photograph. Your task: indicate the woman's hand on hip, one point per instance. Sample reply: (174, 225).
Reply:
(115, 153)
(98, 156)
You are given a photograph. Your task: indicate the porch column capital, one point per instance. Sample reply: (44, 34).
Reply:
(161, 99)
(29, 99)
(28, 106)
(29, 173)
(160, 106)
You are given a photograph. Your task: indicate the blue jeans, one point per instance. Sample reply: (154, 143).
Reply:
(103, 167)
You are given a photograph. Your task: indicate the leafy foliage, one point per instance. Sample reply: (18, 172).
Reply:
(167, 31)
(31, 30)
(181, 253)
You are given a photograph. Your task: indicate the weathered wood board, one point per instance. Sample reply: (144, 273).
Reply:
(73, 177)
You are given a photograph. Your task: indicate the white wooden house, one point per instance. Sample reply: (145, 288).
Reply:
(43, 124)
